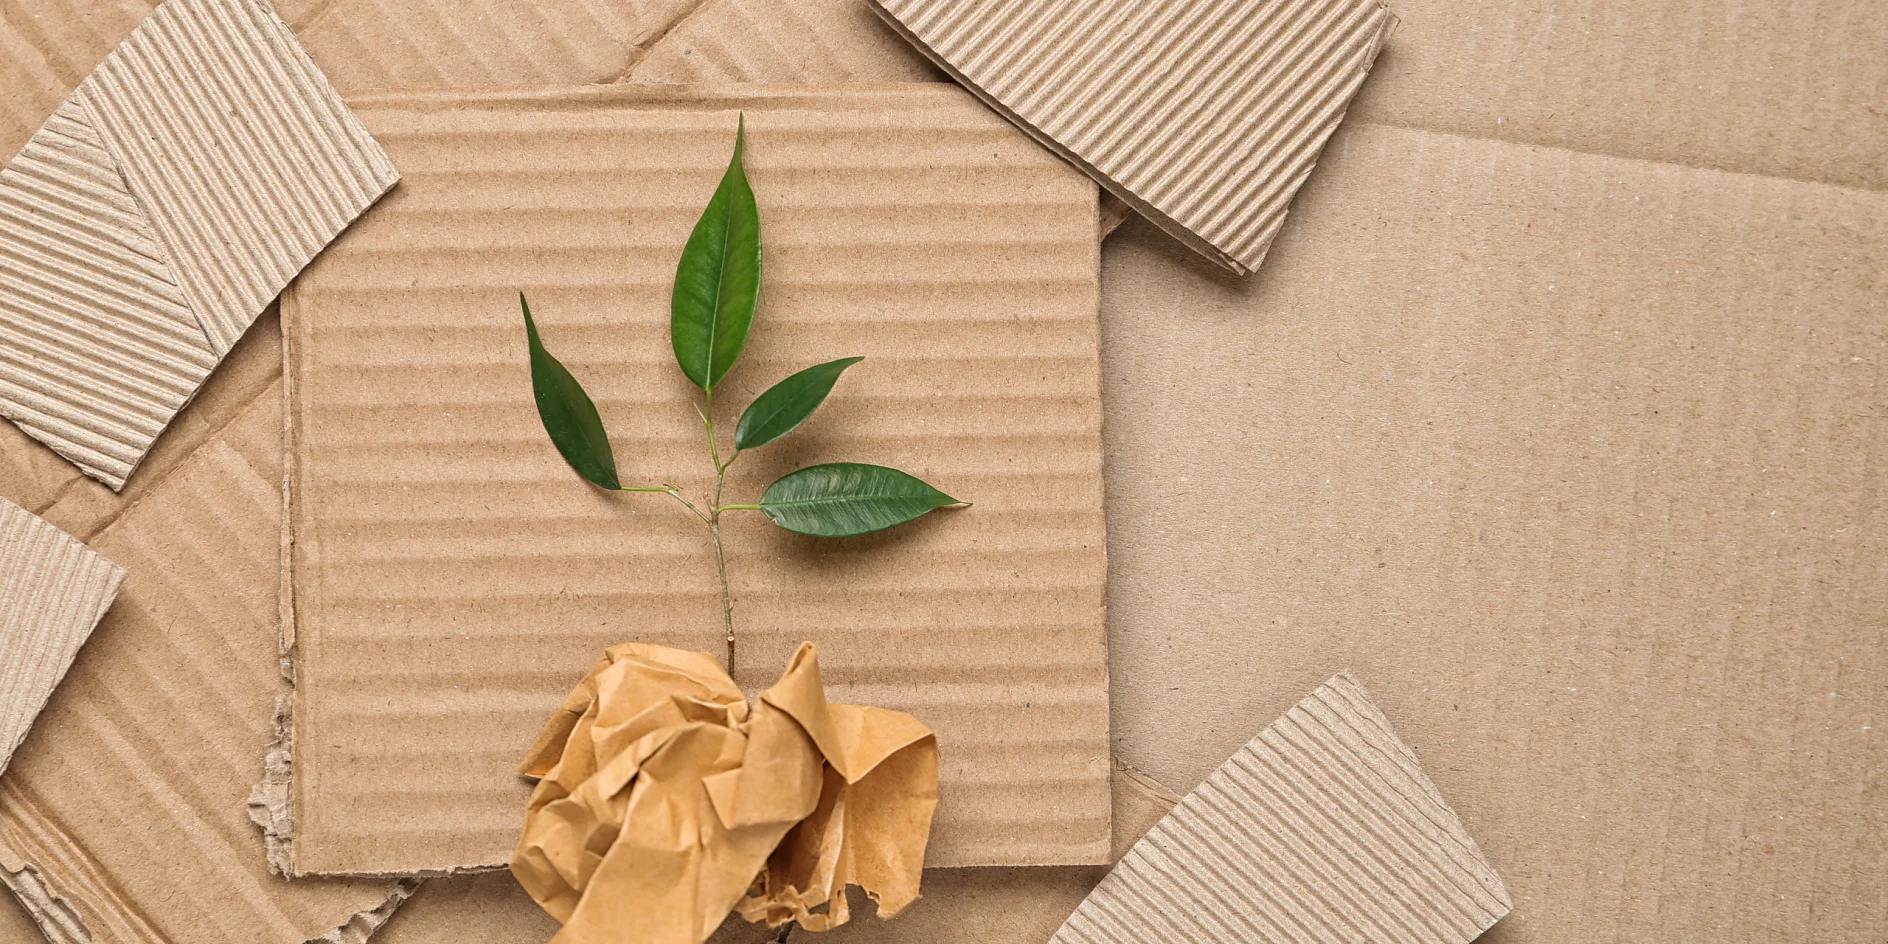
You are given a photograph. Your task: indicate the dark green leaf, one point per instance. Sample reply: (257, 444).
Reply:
(788, 403)
(841, 499)
(718, 280)
(567, 412)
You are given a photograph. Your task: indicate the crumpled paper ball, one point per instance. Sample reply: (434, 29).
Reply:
(664, 801)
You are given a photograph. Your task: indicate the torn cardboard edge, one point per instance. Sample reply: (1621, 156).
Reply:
(50, 911)
(1069, 75)
(53, 591)
(1322, 827)
(61, 923)
(154, 216)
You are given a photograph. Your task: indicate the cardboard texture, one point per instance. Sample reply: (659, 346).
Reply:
(663, 792)
(156, 213)
(1618, 666)
(127, 803)
(449, 571)
(1322, 828)
(1580, 462)
(17, 926)
(53, 590)
(1203, 115)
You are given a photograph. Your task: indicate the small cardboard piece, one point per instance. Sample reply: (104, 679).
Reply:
(1322, 828)
(1203, 115)
(155, 215)
(53, 590)
(451, 577)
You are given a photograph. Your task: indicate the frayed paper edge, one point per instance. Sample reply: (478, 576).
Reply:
(54, 915)
(361, 925)
(269, 806)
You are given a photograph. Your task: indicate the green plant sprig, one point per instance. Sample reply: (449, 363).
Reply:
(717, 286)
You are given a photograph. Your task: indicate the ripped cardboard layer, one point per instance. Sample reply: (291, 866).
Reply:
(169, 704)
(53, 590)
(449, 573)
(1203, 115)
(1324, 827)
(154, 216)
(50, 913)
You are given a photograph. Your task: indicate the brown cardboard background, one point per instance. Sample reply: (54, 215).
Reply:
(1579, 462)
(1752, 88)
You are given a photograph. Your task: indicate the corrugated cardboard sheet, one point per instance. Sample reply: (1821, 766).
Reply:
(156, 213)
(451, 576)
(1204, 115)
(53, 590)
(1322, 828)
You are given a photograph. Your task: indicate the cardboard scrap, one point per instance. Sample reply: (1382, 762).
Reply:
(53, 590)
(662, 794)
(1322, 828)
(1203, 115)
(448, 571)
(169, 704)
(155, 214)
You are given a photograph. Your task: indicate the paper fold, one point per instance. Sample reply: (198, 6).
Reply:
(665, 801)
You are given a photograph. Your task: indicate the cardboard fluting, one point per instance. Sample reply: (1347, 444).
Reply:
(1203, 115)
(132, 815)
(154, 216)
(53, 590)
(450, 573)
(1323, 828)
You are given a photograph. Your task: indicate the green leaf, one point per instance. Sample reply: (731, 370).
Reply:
(788, 403)
(567, 412)
(718, 280)
(842, 499)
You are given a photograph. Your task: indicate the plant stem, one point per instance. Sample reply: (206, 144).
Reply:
(721, 565)
(738, 508)
(714, 522)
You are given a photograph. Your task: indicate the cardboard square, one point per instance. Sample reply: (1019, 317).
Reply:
(1203, 115)
(450, 577)
(1322, 828)
(154, 216)
(53, 589)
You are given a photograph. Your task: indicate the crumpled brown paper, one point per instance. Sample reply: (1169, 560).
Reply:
(664, 802)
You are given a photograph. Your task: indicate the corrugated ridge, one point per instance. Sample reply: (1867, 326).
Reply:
(49, 910)
(767, 41)
(1322, 828)
(99, 348)
(390, 44)
(53, 590)
(240, 152)
(68, 873)
(1209, 115)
